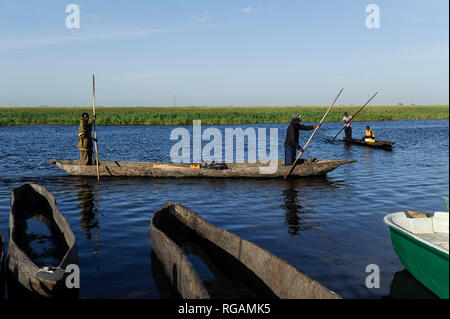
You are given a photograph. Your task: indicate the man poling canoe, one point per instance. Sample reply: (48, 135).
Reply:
(348, 119)
(347, 125)
(316, 127)
(291, 144)
(85, 140)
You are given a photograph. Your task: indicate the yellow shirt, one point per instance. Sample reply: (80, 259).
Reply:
(369, 134)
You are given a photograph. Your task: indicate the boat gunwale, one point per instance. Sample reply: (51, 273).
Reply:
(155, 231)
(388, 220)
(315, 167)
(29, 268)
(243, 242)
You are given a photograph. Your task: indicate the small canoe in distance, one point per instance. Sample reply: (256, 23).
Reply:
(41, 243)
(2, 265)
(240, 268)
(308, 167)
(377, 144)
(421, 242)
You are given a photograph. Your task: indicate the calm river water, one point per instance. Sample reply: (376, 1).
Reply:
(331, 228)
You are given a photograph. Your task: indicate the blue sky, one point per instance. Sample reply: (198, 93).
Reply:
(234, 52)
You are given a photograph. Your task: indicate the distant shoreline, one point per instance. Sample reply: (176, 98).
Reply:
(18, 116)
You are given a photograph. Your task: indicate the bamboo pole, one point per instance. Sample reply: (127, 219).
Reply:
(95, 131)
(354, 115)
(312, 135)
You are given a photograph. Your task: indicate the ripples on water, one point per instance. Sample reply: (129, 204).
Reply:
(330, 227)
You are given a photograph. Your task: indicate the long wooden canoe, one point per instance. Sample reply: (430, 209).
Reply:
(421, 243)
(2, 265)
(240, 268)
(40, 272)
(377, 144)
(308, 167)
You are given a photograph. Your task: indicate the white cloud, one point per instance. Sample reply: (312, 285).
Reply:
(247, 10)
(204, 18)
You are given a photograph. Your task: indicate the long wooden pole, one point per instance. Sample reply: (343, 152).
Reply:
(354, 115)
(312, 135)
(95, 131)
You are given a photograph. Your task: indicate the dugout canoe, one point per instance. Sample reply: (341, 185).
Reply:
(421, 242)
(41, 271)
(307, 167)
(240, 268)
(377, 144)
(2, 265)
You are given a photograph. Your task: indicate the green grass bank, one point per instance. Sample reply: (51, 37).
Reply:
(10, 116)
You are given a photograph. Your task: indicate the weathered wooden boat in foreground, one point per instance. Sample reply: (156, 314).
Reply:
(307, 167)
(41, 272)
(240, 268)
(2, 263)
(377, 144)
(422, 243)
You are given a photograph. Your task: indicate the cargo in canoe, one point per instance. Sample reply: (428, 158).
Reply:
(2, 265)
(306, 167)
(240, 268)
(41, 243)
(377, 144)
(421, 242)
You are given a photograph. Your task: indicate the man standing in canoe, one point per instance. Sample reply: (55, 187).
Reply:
(85, 140)
(291, 144)
(347, 126)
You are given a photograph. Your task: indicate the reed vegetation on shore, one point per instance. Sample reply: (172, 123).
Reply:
(10, 116)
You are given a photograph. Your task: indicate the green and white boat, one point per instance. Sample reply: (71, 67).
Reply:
(421, 243)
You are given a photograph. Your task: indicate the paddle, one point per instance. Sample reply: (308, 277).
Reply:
(354, 115)
(320, 123)
(95, 131)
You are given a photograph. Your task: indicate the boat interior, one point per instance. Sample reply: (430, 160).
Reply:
(223, 275)
(432, 228)
(35, 231)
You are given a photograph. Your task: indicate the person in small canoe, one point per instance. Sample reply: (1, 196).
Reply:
(347, 126)
(291, 144)
(85, 140)
(370, 136)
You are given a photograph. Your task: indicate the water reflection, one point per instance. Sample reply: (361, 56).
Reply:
(89, 213)
(405, 286)
(297, 218)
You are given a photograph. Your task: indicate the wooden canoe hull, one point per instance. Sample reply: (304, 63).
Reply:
(377, 144)
(2, 265)
(272, 276)
(309, 167)
(21, 267)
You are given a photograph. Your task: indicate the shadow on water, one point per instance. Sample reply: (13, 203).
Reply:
(405, 286)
